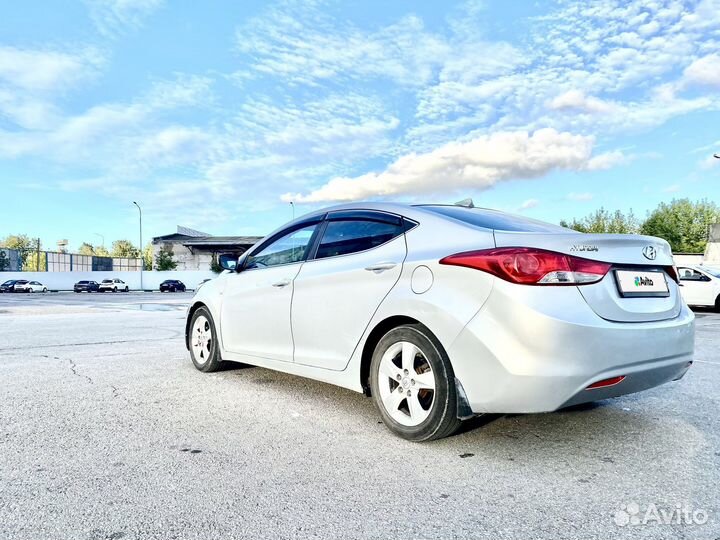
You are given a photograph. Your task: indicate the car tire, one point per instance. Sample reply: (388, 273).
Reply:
(44, 289)
(717, 303)
(203, 343)
(127, 289)
(424, 369)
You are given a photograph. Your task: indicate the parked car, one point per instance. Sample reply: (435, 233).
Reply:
(29, 286)
(700, 286)
(19, 285)
(172, 285)
(445, 312)
(7, 286)
(113, 285)
(87, 286)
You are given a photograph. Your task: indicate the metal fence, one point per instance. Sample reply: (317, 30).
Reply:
(13, 260)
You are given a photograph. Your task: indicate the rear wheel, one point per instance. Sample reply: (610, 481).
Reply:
(204, 349)
(44, 289)
(127, 289)
(717, 303)
(413, 384)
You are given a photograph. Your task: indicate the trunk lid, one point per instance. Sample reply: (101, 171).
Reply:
(627, 253)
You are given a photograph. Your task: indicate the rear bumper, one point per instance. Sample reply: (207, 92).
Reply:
(520, 356)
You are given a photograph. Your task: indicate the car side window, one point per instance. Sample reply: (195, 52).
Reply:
(351, 236)
(688, 274)
(287, 249)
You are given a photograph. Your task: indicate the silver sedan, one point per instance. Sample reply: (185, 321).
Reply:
(444, 312)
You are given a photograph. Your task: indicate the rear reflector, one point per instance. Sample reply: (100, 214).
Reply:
(612, 381)
(531, 266)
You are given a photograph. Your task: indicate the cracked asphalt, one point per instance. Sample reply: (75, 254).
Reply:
(108, 432)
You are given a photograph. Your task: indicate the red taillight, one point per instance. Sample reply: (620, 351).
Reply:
(531, 266)
(612, 381)
(673, 273)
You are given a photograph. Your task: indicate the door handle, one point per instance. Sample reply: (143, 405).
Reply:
(282, 283)
(380, 267)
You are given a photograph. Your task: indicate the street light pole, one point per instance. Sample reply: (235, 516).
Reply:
(142, 259)
(293, 208)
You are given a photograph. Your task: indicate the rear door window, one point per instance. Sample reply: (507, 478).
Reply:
(352, 236)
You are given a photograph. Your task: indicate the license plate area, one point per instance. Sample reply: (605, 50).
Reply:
(641, 283)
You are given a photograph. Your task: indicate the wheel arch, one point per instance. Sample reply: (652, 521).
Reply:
(383, 327)
(375, 335)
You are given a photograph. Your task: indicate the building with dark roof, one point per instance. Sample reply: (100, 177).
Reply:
(194, 250)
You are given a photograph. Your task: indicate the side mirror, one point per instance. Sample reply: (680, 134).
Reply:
(228, 261)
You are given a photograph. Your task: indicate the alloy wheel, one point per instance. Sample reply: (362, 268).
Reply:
(201, 339)
(407, 384)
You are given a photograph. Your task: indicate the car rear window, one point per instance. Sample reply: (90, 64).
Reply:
(107, 280)
(493, 219)
(82, 282)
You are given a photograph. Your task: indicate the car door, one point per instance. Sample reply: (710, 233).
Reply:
(255, 312)
(356, 263)
(697, 288)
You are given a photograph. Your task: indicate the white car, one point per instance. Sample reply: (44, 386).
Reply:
(113, 285)
(29, 286)
(444, 312)
(700, 285)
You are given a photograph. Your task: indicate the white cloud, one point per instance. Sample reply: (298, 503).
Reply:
(308, 46)
(704, 71)
(607, 160)
(45, 70)
(112, 17)
(477, 164)
(577, 100)
(528, 204)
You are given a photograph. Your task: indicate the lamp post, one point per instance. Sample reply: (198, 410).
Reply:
(293, 209)
(102, 238)
(142, 259)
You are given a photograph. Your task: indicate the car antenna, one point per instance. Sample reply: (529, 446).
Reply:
(467, 203)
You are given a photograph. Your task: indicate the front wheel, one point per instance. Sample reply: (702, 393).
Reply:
(127, 289)
(413, 384)
(44, 289)
(204, 349)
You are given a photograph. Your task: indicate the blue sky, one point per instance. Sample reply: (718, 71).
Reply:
(215, 115)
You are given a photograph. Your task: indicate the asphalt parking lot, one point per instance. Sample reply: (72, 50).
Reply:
(107, 431)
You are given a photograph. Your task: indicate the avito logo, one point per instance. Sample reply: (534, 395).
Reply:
(643, 282)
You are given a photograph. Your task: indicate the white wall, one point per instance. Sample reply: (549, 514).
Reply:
(64, 281)
(688, 259)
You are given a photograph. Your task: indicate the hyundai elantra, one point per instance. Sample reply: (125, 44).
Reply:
(444, 312)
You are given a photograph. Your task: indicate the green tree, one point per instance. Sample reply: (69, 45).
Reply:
(148, 256)
(27, 250)
(164, 259)
(215, 264)
(4, 261)
(86, 249)
(603, 221)
(124, 248)
(101, 251)
(683, 223)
